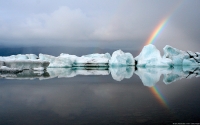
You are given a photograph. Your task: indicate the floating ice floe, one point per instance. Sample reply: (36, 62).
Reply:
(94, 60)
(56, 62)
(119, 58)
(66, 60)
(179, 57)
(22, 62)
(150, 57)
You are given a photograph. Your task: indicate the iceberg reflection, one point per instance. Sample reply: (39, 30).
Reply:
(119, 73)
(149, 76)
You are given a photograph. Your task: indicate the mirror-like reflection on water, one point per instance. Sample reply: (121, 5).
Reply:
(113, 96)
(149, 76)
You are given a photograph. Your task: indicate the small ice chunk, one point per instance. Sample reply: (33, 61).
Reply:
(119, 58)
(150, 57)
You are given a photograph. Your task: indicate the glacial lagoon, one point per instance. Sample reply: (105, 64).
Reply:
(116, 96)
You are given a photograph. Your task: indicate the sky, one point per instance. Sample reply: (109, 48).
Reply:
(125, 24)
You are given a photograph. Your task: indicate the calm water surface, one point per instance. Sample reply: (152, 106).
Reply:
(92, 97)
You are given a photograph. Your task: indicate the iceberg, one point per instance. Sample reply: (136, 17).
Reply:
(93, 60)
(21, 62)
(66, 60)
(119, 58)
(180, 57)
(56, 62)
(150, 57)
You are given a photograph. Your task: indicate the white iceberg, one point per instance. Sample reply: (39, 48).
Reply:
(119, 58)
(21, 62)
(56, 62)
(95, 60)
(180, 57)
(150, 57)
(66, 60)
(19, 57)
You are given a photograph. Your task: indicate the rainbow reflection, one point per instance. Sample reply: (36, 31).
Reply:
(152, 39)
(156, 92)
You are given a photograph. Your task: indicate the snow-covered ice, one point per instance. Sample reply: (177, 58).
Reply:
(119, 58)
(150, 57)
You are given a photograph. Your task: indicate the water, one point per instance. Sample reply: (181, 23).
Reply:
(114, 96)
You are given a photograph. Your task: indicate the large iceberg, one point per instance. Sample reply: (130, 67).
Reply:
(66, 60)
(56, 62)
(119, 58)
(21, 62)
(94, 60)
(180, 57)
(150, 57)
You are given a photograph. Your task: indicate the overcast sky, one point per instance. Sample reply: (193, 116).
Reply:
(103, 23)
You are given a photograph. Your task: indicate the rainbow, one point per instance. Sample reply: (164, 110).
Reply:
(157, 31)
(159, 28)
(159, 96)
(162, 24)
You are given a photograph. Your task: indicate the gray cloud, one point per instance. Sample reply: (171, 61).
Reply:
(113, 23)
